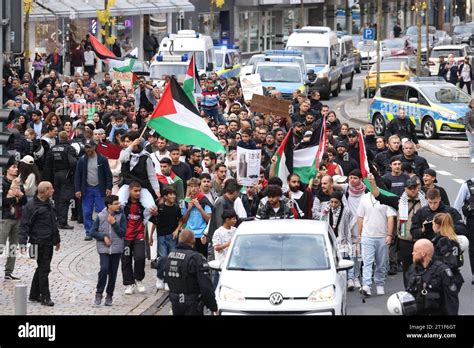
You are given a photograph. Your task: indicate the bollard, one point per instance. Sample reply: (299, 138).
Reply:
(359, 95)
(20, 299)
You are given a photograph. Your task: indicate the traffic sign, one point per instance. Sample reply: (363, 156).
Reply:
(369, 34)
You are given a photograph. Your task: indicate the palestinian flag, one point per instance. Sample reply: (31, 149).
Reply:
(176, 118)
(191, 84)
(102, 51)
(289, 160)
(168, 180)
(365, 169)
(127, 65)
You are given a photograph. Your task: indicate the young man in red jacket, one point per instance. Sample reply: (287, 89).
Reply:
(133, 257)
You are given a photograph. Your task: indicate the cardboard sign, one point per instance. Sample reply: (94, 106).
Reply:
(248, 166)
(251, 84)
(127, 79)
(270, 105)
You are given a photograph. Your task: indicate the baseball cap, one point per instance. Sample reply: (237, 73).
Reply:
(339, 179)
(352, 132)
(432, 173)
(297, 124)
(64, 84)
(28, 160)
(413, 181)
(90, 143)
(342, 144)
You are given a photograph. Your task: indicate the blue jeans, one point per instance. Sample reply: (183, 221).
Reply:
(214, 114)
(375, 250)
(91, 199)
(165, 245)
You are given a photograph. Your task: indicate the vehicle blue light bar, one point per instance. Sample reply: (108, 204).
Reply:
(283, 53)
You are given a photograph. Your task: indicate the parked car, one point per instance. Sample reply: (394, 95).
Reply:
(459, 52)
(463, 34)
(282, 267)
(433, 105)
(390, 71)
(399, 46)
(369, 57)
(442, 38)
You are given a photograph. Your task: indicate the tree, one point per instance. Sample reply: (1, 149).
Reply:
(104, 18)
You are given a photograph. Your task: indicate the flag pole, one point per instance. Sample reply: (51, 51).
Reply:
(143, 131)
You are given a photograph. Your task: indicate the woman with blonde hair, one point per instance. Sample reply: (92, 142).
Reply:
(446, 245)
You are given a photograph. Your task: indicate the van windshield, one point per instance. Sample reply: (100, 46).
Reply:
(313, 55)
(271, 73)
(157, 71)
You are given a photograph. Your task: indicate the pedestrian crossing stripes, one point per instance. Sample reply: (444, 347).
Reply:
(442, 172)
(459, 181)
(431, 165)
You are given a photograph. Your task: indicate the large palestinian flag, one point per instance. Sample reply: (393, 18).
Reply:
(102, 51)
(177, 119)
(191, 84)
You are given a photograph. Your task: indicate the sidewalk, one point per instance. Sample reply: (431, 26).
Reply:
(73, 278)
(444, 147)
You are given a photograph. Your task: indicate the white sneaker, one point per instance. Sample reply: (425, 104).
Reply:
(350, 285)
(167, 288)
(160, 284)
(380, 290)
(365, 290)
(130, 289)
(140, 287)
(357, 283)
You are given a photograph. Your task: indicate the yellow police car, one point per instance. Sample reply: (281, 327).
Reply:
(433, 105)
(227, 61)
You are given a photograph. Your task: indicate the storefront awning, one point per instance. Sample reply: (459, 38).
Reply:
(48, 10)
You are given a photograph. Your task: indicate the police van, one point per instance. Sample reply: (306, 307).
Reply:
(168, 65)
(285, 55)
(320, 48)
(346, 49)
(227, 61)
(187, 42)
(434, 106)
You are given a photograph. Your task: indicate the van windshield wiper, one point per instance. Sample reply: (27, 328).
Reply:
(240, 269)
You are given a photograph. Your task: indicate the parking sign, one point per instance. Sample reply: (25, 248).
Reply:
(369, 34)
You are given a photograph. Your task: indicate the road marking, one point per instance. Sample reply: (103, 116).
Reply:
(459, 181)
(431, 165)
(442, 172)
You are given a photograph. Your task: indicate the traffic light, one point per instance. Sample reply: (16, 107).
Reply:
(6, 137)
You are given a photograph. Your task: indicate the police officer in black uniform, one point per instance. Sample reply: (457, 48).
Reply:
(403, 127)
(59, 169)
(432, 283)
(187, 275)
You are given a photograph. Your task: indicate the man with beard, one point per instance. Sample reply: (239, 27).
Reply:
(298, 134)
(168, 178)
(346, 162)
(403, 127)
(322, 198)
(418, 163)
(300, 114)
(195, 162)
(219, 178)
(180, 168)
(160, 153)
(138, 166)
(302, 200)
(210, 160)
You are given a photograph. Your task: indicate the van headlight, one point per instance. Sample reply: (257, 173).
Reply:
(323, 75)
(448, 115)
(324, 294)
(231, 295)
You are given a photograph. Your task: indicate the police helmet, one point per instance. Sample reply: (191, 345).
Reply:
(401, 303)
(463, 242)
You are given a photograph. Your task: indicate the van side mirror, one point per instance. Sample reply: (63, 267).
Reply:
(413, 100)
(333, 62)
(344, 265)
(210, 66)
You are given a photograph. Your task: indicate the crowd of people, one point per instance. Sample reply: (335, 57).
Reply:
(83, 143)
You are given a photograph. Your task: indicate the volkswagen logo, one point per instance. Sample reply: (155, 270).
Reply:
(276, 298)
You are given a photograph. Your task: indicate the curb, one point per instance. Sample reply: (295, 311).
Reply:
(347, 116)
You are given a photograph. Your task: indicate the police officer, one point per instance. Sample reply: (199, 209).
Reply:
(59, 169)
(432, 283)
(187, 275)
(403, 127)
